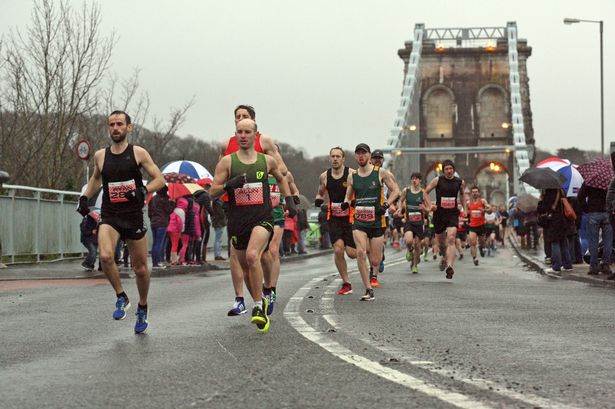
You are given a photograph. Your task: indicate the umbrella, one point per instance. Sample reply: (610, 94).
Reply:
(527, 203)
(187, 167)
(543, 178)
(597, 173)
(180, 185)
(574, 180)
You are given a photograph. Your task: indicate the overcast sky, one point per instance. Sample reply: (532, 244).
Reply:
(322, 72)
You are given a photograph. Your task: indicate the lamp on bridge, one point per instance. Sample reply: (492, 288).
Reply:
(570, 21)
(505, 125)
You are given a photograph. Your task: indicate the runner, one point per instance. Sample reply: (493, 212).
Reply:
(366, 185)
(377, 159)
(490, 228)
(414, 202)
(118, 168)
(264, 144)
(243, 175)
(477, 206)
(334, 183)
(446, 216)
(462, 233)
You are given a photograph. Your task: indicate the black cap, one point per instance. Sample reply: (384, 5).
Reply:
(362, 147)
(377, 154)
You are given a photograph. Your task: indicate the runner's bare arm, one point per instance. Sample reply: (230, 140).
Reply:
(272, 150)
(462, 197)
(322, 186)
(431, 186)
(156, 180)
(221, 175)
(389, 181)
(349, 189)
(402, 203)
(426, 201)
(96, 178)
(293, 189)
(274, 170)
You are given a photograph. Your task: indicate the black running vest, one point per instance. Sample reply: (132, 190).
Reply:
(336, 192)
(120, 174)
(447, 191)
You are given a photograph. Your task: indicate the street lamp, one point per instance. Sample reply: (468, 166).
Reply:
(576, 20)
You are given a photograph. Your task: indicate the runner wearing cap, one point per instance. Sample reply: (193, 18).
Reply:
(413, 204)
(366, 185)
(377, 159)
(334, 183)
(477, 207)
(446, 215)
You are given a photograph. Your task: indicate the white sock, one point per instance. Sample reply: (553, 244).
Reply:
(258, 304)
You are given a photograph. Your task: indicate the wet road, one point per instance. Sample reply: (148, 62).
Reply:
(497, 335)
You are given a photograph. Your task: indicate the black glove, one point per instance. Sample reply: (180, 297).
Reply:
(137, 195)
(382, 209)
(83, 208)
(318, 202)
(290, 206)
(296, 200)
(345, 205)
(235, 182)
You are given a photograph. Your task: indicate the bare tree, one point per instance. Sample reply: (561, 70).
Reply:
(51, 74)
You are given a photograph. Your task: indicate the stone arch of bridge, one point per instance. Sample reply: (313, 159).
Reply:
(439, 108)
(493, 180)
(493, 111)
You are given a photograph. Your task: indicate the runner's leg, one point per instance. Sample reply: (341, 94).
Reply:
(107, 241)
(340, 261)
(361, 241)
(138, 258)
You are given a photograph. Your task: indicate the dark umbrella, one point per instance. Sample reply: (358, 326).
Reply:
(597, 173)
(527, 203)
(543, 178)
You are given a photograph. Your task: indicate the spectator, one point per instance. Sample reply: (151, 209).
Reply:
(503, 223)
(89, 238)
(593, 202)
(556, 229)
(189, 231)
(531, 229)
(194, 245)
(289, 237)
(205, 211)
(159, 209)
(576, 253)
(175, 229)
(218, 221)
(325, 240)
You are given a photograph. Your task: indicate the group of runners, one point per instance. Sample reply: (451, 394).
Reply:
(252, 177)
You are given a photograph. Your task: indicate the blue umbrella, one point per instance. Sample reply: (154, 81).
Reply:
(187, 167)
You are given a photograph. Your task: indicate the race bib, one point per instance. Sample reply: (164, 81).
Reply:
(365, 213)
(336, 210)
(448, 203)
(476, 214)
(249, 195)
(414, 217)
(118, 190)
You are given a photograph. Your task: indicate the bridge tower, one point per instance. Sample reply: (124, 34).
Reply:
(465, 97)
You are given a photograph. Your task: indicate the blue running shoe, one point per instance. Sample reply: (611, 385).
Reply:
(271, 300)
(141, 324)
(121, 306)
(381, 268)
(239, 307)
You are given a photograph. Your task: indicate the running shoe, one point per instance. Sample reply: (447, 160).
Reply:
(259, 318)
(369, 295)
(346, 289)
(482, 251)
(409, 255)
(141, 324)
(442, 264)
(269, 296)
(475, 261)
(87, 267)
(381, 268)
(121, 306)
(239, 307)
(449, 272)
(415, 270)
(374, 282)
(461, 256)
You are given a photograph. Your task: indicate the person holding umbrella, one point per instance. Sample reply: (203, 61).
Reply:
(118, 168)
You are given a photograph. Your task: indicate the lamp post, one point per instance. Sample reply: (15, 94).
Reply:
(600, 22)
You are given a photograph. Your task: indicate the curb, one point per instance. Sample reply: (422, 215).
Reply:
(541, 268)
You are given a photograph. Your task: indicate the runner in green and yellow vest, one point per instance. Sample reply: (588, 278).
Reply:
(366, 184)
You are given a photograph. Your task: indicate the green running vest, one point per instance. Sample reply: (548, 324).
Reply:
(368, 194)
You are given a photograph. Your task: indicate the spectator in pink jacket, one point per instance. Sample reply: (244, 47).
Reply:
(194, 247)
(177, 223)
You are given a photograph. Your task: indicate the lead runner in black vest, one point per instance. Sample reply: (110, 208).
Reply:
(446, 215)
(244, 176)
(118, 168)
(334, 183)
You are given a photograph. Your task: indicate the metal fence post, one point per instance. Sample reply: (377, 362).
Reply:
(61, 218)
(37, 227)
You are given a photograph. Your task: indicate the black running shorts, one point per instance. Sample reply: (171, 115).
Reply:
(462, 235)
(341, 228)
(241, 238)
(372, 232)
(417, 230)
(443, 219)
(478, 230)
(130, 226)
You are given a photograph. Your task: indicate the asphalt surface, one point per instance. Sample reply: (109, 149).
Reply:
(497, 335)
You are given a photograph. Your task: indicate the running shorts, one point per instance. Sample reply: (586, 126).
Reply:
(130, 226)
(443, 219)
(416, 229)
(241, 238)
(462, 235)
(372, 232)
(341, 228)
(478, 230)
